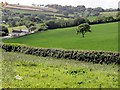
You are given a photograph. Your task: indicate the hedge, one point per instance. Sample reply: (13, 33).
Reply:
(87, 56)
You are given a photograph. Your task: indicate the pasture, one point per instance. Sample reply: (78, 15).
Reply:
(113, 14)
(103, 37)
(92, 18)
(36, 12)
(109, 13)
(17, 28)
(27, 71)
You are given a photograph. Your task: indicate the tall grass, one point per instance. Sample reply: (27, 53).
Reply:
(39, 72)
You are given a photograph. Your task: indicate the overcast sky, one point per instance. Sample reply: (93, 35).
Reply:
(87, 3)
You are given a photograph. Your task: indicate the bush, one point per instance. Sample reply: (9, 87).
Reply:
(42, 27)
(51, 24)
(79, 21)
(61, 23)
(103, 19)
(3, 31)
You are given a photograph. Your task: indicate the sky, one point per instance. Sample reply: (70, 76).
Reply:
(88, 3)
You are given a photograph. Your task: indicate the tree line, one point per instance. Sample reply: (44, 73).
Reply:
(80, 10)
(75, 22)
(61, 23)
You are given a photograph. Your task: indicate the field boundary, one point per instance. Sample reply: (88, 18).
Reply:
(81, 55)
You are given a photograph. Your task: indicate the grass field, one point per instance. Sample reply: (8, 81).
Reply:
(40, 72)
(6, 25)
(35, 12)
(17, 28)
(102, 37)
(22, 7)
(91, 18)
(109, 13)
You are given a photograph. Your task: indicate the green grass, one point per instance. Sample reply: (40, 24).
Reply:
(40, 72)
(91, 18)
(6, 25)
(109, 13)
(17, 28)
(35, 12)
(102, 37)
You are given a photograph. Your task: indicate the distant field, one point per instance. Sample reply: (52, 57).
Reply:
(109, 14)
(91, 18)
(34, 12)
(6, 25)
(102, 37)
(17, 28)
(29, 8)
(40, 72)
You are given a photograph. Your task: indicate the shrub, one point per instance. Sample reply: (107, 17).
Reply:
(3, 31)
(42, 27)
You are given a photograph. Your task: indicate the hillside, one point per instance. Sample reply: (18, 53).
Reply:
(23, 9)
(55, 46)
(29, 8)
(102, 37)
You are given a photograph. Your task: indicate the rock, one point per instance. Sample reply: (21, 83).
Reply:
(18, 77)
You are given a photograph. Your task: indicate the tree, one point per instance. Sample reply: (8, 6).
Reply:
(42, 27)
(21, 15)
(3, 31)
(83, 28)
(103, 19)
(51, 24)
(42, 16)
(86, 13)
(66, 13)
(37, 19)
(5, 18)
(32, 28)
(12, 23)
(118, 16)
(110, 18)
(100, 9)
(79, 21)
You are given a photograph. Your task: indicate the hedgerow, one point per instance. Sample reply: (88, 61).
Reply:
(87, 56)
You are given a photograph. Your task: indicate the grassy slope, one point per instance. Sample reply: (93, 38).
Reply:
(91, 18)
(16, 28)
(6, 25)
(109, 13)
(34, 12)
(102, 37)
(39, 72)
